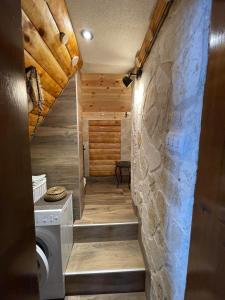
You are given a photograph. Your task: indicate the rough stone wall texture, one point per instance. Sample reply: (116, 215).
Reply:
(126, 138)
(167, 105)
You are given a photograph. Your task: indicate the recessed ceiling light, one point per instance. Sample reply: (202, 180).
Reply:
(86, 34)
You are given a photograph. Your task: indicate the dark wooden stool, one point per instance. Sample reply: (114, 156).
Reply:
(120, 165)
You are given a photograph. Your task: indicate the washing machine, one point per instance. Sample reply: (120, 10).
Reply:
(54, 240)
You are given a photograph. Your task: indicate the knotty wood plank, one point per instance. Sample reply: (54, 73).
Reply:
(41, 17)
(116, 134)
(102, 168)
(104, 151)
(103, 115)
(104, 92)
(59, 11)
(37, 48)
(102, 162)
(109, 106)
(104, 139)
(104, 146)
(104, 157)
(104, 123)
(33, 119)
(48, 98)
(47, 82)
(101, 173)
(104, 128)
(90, 90)
(105, 97)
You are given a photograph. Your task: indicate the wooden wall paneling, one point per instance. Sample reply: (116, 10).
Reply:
(48, 98)
(92, 90)
(100, 80)
(104, 146)
(47, 82)
(59, 11)
(41, 17)
(34, 119)
(80, 145)
(37, 48)
(103, 115)
(104, 93)
(104, 123)
(109, 106)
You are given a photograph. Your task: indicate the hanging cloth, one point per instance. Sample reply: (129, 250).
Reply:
(34, 91)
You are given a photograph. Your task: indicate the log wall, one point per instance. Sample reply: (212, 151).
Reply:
(42, 22)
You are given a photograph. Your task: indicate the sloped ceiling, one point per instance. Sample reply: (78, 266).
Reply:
(42, 22)
(119, 27)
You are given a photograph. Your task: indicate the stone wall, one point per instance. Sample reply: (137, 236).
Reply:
(167, 105)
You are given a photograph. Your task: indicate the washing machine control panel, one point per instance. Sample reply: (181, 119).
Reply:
(43, 218)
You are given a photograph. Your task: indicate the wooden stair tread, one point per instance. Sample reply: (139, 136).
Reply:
(103, 214)
(119, 296)
(105, 257)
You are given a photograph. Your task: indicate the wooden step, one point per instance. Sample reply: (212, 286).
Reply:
(123, 296)
(105, 267)
(84, 233)
(103, 214)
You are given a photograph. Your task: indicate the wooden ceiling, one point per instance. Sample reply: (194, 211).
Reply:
(104, 93)
(42, 22)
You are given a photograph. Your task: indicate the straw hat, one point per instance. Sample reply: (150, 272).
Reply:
(55, 193)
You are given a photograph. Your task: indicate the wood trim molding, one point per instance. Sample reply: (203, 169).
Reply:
(156, 21)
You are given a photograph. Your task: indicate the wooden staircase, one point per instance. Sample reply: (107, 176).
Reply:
(106, 257)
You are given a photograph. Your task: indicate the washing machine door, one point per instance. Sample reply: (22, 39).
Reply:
(43, 266)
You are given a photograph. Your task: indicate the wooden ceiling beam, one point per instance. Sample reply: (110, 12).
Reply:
(41, 17)
(159, 14)
(37, 48)
(59, 11)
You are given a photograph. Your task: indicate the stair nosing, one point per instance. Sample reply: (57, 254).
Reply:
(108, 224)
(107, 271)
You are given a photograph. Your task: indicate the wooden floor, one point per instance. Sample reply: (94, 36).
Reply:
(123, 296)
(106, 256)
(105, 203)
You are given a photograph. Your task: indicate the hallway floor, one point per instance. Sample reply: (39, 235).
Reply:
(105, 203)
(106, 257)
(123, 296)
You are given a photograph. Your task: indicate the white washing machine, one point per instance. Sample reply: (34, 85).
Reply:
(54, 240)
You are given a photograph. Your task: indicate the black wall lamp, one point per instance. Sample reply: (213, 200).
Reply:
(128, 79)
